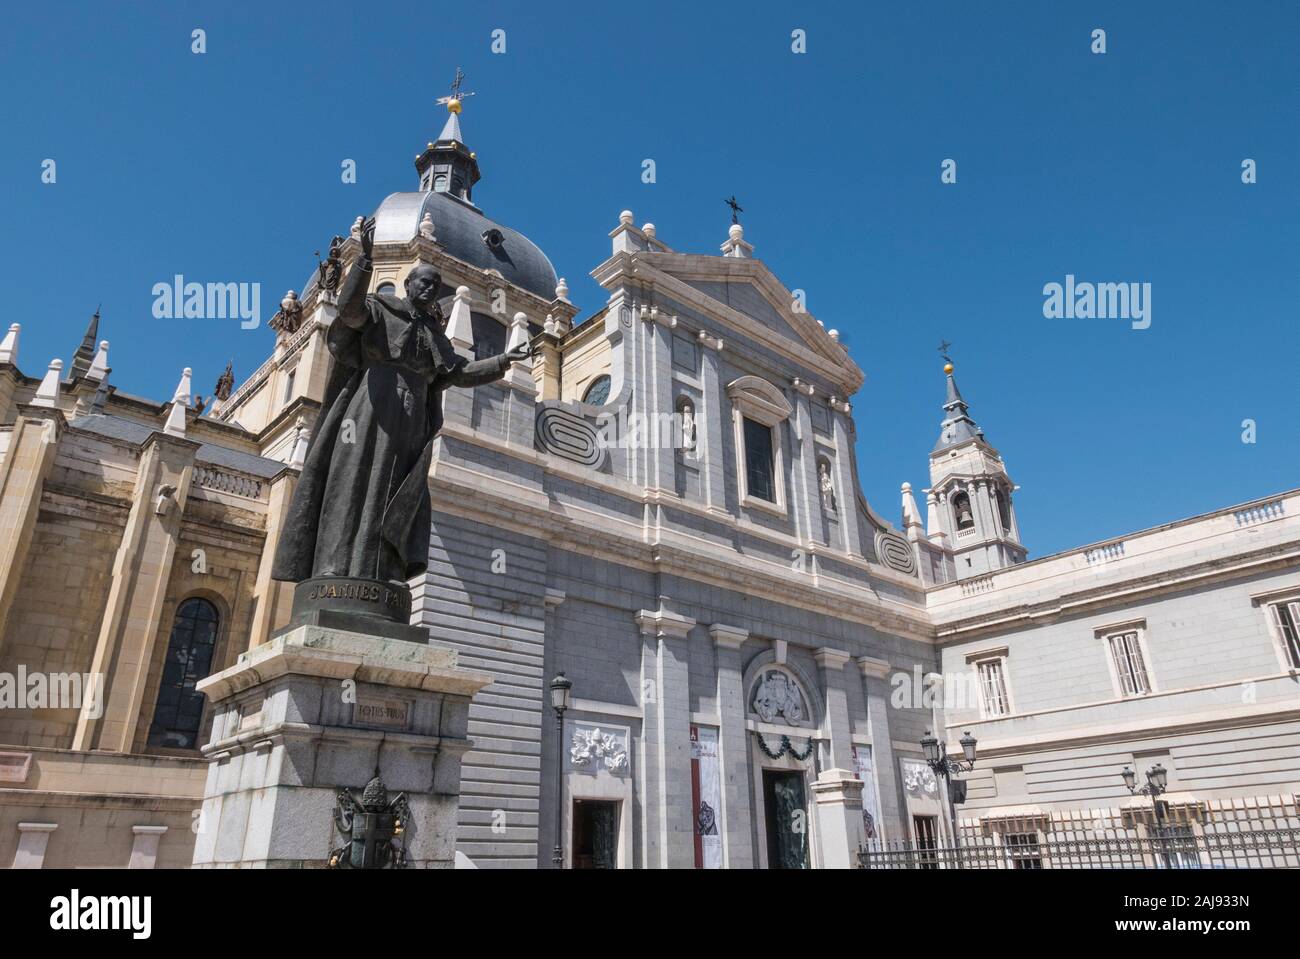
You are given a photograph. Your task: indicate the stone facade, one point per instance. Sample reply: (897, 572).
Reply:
(752, 647)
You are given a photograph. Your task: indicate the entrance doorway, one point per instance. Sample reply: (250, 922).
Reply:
(595, 834)
(786, 814)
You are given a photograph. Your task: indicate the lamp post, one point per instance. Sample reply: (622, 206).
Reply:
(1157, 784)
(936, 756)
(561, 688)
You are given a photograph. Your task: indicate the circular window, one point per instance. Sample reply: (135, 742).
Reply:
(598, 392)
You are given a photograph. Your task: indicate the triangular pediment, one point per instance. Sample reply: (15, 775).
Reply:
(747, 291)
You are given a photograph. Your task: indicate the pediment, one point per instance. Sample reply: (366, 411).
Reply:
(746, 287)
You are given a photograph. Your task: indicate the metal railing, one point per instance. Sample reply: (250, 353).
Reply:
(1219, 835)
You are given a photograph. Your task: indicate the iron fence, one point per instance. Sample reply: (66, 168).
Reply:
(1199, 837)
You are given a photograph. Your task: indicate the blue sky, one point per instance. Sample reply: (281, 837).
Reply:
(1122, 167)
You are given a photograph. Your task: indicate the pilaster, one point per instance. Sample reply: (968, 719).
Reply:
(136, 593)
(875, 689)
(23, 471)
(733, 747)
(838, 727)
(669, 838)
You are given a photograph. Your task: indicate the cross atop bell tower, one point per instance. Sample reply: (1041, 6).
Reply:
(447, 165)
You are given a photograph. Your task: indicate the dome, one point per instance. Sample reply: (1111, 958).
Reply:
(459, 229)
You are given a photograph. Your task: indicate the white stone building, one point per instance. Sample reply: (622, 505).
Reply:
(666, 508)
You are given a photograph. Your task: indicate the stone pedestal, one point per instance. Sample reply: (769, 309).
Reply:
(838, 797)
(317, 709)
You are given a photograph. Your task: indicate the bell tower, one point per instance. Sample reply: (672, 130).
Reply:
(971, 510)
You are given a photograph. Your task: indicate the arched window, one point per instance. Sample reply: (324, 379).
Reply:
(179, 711)
(598, 392)
(386, 287)
(1004, 509)
(962, 511)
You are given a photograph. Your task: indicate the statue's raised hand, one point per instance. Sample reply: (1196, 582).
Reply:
(367, 237)
(519, 353)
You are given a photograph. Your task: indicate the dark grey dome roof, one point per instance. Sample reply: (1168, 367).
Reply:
(459, 230)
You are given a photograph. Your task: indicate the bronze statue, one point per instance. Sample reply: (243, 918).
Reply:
(225, 383)
(361, 509)
(331, 270)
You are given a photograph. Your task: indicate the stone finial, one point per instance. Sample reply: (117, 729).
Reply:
(460, 327)
(736, 245)
(298, 455)
(562, 289)
(911, 516)
(834, 335)
(9, 345)
(99, 366)
(426, 226)
(518, 332)
(47, 394)
(649, 230)
(356, 227)
(175, 425)
(933, 528)
(551, 327)
(626, 218)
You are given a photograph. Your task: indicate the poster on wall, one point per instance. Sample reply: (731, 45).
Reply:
(865, 766)
(706, 797)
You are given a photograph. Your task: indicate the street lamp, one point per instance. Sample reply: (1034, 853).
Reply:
(1157, 784)
(937, 758)
(561, 690)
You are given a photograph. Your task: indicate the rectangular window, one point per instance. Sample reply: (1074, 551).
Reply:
(1023, 849)
(1130, 669)
(288, 386)
(1286, 617)
(993, 688)
(759, 478)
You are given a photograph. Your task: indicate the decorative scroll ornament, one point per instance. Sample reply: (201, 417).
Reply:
(569, 436)
(778, 695)
(590, 745)
(895, 552)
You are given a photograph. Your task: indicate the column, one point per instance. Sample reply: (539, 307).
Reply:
(733, 748)
(23, 470)
(666, 739)
(144, 849)
(875, 688)
(836, 725)
(136, 593)
(33, 837)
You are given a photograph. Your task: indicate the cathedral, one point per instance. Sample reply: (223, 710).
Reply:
(658, 516)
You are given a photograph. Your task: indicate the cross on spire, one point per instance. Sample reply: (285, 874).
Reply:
(735, 208)
(944, 347)
(452, 102)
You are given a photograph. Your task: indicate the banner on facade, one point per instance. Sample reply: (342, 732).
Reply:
(864, 765)
(706, 797)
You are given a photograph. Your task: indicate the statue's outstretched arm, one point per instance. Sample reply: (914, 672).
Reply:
(477, 372)
(353, 311)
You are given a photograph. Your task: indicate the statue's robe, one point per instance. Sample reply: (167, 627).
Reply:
(361, 507)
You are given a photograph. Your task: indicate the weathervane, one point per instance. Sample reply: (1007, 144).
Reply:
(944, 346)
(452, 102)
(735, 208)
